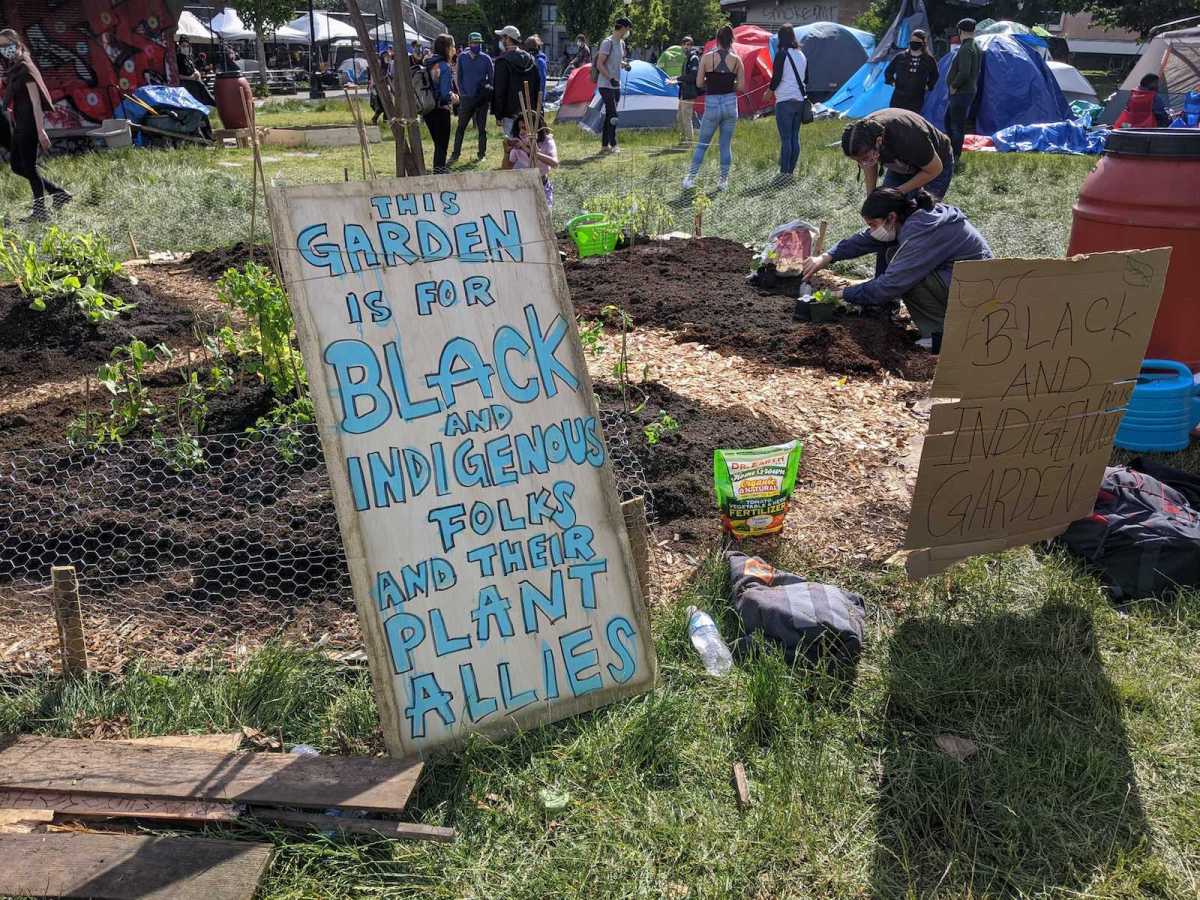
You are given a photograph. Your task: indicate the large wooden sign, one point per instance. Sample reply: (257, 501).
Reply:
(491, 568)
(1039, 355)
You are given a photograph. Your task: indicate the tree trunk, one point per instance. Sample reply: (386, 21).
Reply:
(262, 61)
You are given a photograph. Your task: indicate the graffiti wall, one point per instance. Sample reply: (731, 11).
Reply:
(90, 51)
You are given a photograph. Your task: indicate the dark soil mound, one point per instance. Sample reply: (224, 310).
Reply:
(214, 263)
(697, 289)
(678, 468)
(61, 341)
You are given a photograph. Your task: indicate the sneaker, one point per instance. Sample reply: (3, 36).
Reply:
(614, 149)
(723, 183)
(689, 182)
(925, 343)
(452, 160)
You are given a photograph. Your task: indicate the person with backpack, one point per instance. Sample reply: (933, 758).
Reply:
(919, 240)
(475, 75)
(721, 76)
(1145, 107)
(912, 74)
(688, 92)
(516, 74)
(440, 74)
(789, 85)
(612, 57)
(533, 44)
(961, 82)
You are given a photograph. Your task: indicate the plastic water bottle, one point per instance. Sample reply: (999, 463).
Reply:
(708, 643)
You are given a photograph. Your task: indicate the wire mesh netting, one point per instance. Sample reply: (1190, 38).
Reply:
(180, 562)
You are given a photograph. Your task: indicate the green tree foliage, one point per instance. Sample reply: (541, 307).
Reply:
(591, 17)
(462, 20)
(650, 25)
(263, 16)
(699, 18)
(1136, 15)
(525, 14)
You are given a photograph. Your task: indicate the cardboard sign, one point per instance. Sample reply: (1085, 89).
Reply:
(1039, 355)
(491, 568)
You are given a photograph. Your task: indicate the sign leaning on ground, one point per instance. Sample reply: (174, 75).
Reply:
(1040, 355)
(492, 573)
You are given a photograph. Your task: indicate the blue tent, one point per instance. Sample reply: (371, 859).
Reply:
(834, 53)
(1016, 87)
(866, 90)
(648, 100)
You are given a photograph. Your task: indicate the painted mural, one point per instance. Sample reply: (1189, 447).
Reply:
(90, 51)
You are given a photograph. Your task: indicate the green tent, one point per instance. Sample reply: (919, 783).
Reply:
(671, 61)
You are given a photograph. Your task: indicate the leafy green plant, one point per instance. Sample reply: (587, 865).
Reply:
(618, 318)
(130, 403)
(282, 426)
(591, 335)
(636, 213)
(256, 293)
(700, 204)
(664, 426)
(824, 297)
(68, 266)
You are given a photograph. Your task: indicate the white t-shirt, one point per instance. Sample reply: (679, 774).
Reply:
(614, 56)
(789, 89)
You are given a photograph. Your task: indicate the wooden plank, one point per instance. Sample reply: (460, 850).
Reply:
(119, 866)
(65, 594)
(212, 743)
(409, 831)
(634, 512)
(24, 821)
(741, 786)
(114, 767)
(72, 804)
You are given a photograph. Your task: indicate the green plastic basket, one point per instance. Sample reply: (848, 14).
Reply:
(593, 234)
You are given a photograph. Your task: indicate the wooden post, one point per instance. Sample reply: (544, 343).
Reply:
(820, 248)
(65, 594)
(406, 97)
(634, 512)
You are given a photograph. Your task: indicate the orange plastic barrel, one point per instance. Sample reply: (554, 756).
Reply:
(234, 98)
(1145, 193)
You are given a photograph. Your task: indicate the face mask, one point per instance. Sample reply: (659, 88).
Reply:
(883, 233)
(10, 51)
(916, 49)
(475, 48)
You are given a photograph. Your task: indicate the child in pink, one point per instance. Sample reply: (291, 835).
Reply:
(520, 152)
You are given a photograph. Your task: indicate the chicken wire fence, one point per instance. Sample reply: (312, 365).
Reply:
(181, 562)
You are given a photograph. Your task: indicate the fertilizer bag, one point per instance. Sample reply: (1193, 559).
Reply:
(753, 487)
(806, 618)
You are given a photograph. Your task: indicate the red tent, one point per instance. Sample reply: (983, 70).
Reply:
(576, 95)
(752, 45)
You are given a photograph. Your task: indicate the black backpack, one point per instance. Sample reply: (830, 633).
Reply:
(1143, 537)
(805, 617)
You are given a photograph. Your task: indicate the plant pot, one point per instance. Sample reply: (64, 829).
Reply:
(822, 313)
(802, 311)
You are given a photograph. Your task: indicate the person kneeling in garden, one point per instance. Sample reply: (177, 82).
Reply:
(918, 241)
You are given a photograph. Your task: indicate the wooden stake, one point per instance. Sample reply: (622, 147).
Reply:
(820, 248)
(137, 254)
(406, 97)
(253, 173)
(634, 512)
(741, 786)
(69, 615)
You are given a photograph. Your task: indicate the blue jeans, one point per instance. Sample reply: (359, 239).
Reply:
(938, 187)
(720, 111)
(787, 120)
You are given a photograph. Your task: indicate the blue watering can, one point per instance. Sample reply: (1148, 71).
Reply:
(1163, 410)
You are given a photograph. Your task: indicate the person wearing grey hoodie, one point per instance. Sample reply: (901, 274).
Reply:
(920, 241)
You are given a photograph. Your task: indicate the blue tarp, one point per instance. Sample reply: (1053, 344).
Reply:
(1056, 137)
(1016, 87)
(162, 98)
(1189, 116)
(866, 91)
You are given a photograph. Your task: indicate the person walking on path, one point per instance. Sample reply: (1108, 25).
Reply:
(475, 77)
(610, 60)
(788, 82)
(441, 75)
(914, 153)
(688, 91)
(961, 82)
(912, 74)
(721, 76)
(516, 74)
(26, 95)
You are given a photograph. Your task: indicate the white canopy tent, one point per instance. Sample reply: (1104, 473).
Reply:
(325, 28)
(384, 33)
(229, 26)
(189, 26)
(1073, 85)
(1173, 55)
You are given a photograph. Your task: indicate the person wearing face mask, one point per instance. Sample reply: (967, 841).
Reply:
(189, 75)
(919, 240)
(912, 74)
(475, 74)
(25, 98)
(914, 153)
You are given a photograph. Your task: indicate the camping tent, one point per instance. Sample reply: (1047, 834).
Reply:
(1174, 55)
(834, 53)
(1015, 87)
(866, 91)
(753, 46)
(648, 100)
(1074, 86)
(671, 61)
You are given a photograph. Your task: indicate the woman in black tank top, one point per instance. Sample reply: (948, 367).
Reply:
(722, 78)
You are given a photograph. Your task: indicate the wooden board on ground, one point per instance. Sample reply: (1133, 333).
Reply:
(115, 767)
(123, 866)
(23, 820)
(492, 571)
(74, 805)
(409, 831)
(1038, 355)
(212, 743)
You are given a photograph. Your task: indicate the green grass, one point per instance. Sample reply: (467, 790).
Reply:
(1085, 782)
